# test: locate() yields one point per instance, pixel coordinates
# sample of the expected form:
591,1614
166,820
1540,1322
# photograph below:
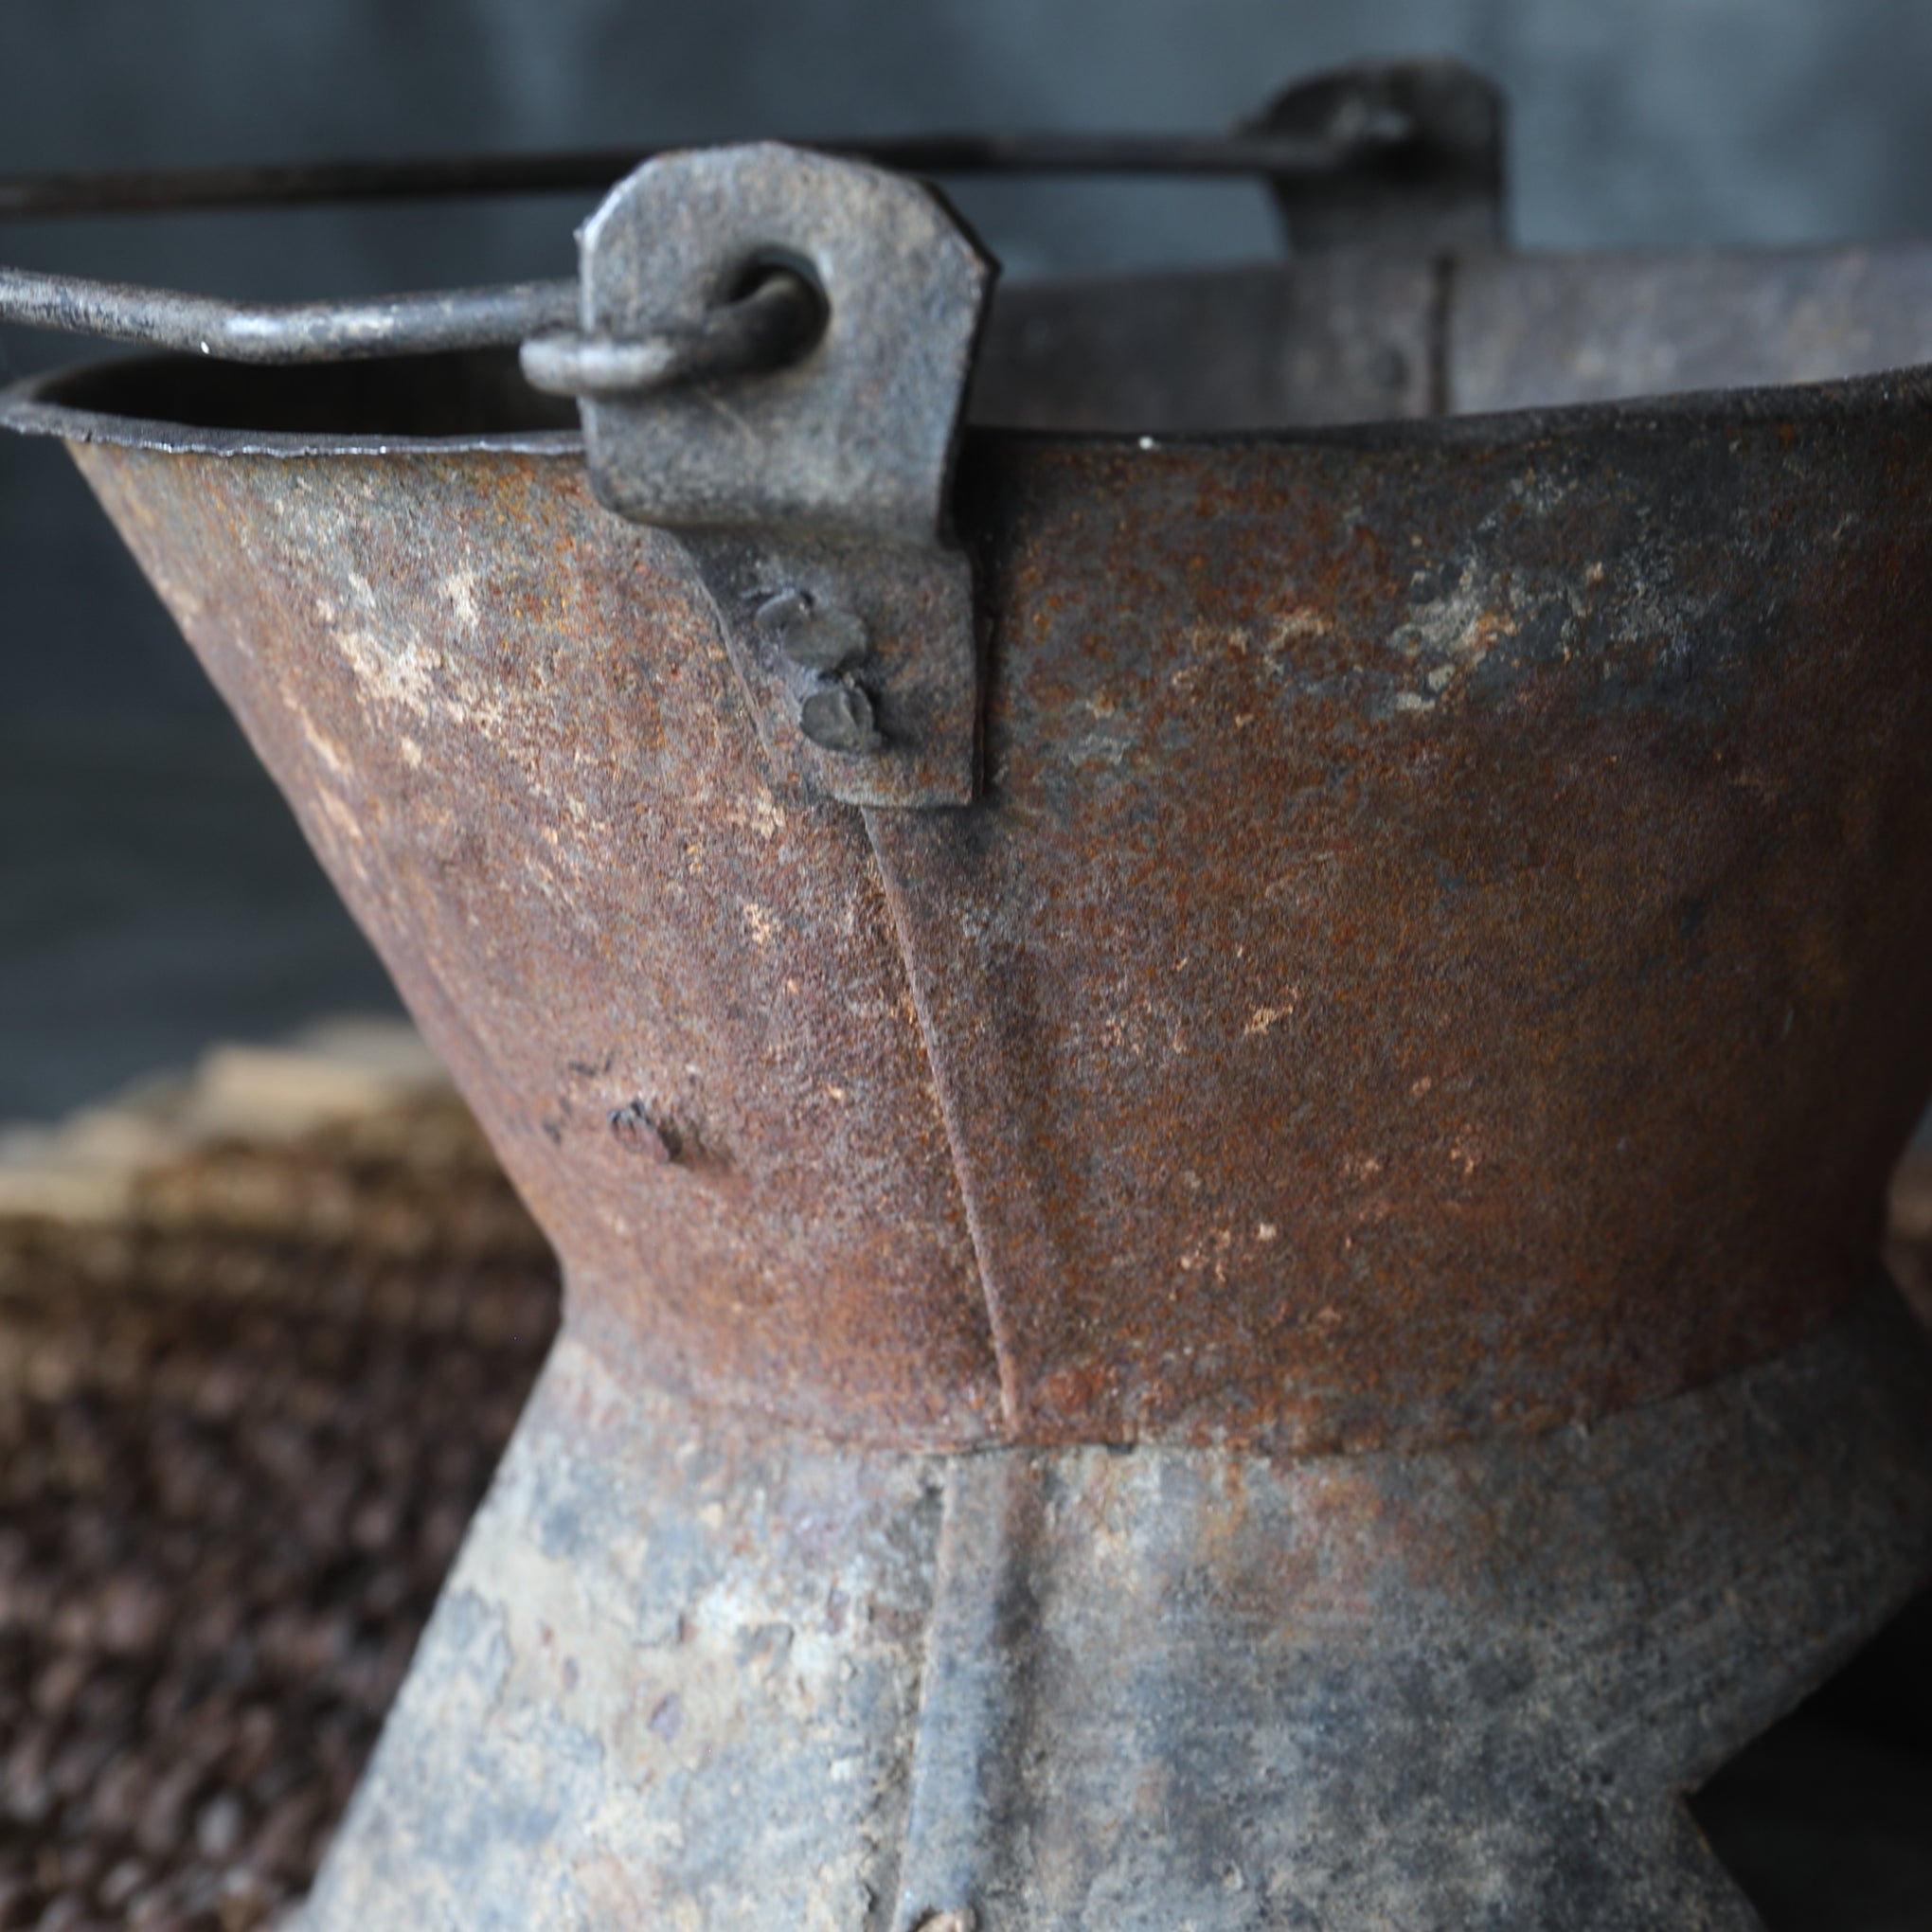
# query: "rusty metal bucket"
1216,1106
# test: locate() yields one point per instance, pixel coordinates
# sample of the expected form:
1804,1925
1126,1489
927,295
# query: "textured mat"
247,1405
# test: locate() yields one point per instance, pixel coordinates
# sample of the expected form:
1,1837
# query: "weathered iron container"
1214,1067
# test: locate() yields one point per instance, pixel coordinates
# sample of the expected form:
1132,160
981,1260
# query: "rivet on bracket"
804,629
811,492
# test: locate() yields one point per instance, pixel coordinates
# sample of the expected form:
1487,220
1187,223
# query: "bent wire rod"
286,331
428,177
770,324
756,332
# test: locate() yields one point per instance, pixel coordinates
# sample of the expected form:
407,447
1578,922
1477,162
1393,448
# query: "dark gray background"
153,892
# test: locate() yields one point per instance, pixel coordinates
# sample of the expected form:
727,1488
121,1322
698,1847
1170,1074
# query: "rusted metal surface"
511,732
1075,1297
1436,891
690,1673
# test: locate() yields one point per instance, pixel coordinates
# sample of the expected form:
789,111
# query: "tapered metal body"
1270,1324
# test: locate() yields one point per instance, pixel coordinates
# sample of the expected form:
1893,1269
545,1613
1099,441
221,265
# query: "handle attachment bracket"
811,491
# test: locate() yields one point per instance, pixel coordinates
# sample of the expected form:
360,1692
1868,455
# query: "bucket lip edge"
30,407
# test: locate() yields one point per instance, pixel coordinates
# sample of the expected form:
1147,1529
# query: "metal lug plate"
813,495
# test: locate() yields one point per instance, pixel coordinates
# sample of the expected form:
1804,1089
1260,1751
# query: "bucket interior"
1343,337
473,393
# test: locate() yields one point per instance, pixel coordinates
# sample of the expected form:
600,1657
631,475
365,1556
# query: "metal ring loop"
773,324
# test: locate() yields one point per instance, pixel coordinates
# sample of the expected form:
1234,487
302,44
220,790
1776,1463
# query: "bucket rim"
35,406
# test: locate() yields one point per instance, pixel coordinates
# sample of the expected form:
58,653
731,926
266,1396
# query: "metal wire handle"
438,177
767,326
770,324
286,331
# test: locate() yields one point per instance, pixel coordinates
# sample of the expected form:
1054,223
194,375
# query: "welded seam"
974,1694
1013,1402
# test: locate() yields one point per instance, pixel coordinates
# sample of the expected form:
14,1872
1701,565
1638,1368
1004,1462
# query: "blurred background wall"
154,893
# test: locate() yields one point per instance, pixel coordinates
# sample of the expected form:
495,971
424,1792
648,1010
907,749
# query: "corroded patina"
1427,958
1264,1322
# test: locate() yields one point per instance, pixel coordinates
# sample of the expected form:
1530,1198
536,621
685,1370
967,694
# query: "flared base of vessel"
691,1672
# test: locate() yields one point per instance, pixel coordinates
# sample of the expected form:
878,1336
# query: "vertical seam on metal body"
1011,1404
974,1693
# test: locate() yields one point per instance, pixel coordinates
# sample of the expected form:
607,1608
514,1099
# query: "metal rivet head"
810,632
838,716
